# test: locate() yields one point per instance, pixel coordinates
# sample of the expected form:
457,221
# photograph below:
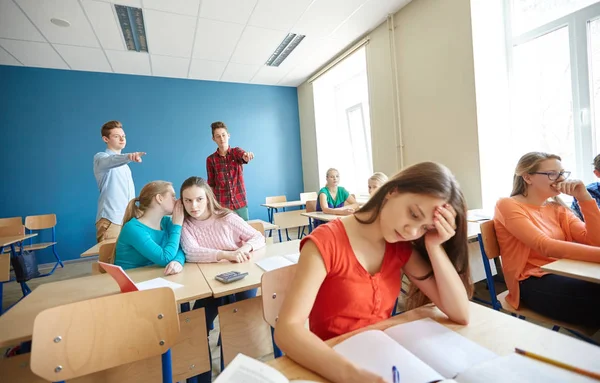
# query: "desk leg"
205,377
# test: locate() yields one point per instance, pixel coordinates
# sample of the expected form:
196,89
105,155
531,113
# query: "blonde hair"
137,206
379,177
211,202
529,164
331,170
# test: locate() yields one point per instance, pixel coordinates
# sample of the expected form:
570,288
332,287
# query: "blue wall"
50,129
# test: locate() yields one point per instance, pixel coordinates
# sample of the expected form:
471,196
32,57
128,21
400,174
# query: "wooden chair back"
274,287
12,221
489,239
11,230
85,337
290,219
107,252
309,196
40,222
279,198
311,206
258,226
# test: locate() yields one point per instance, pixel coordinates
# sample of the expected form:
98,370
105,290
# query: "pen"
395,375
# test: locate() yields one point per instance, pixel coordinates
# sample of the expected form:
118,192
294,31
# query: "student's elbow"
462,315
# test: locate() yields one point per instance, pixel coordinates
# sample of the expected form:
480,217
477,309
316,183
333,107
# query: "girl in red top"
350,270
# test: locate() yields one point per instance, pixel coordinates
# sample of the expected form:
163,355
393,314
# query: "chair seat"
527,313
38,246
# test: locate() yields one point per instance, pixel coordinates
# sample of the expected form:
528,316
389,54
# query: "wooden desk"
266,225
586,271
279,205
252,280
17,324
11,240
319,215
496,331
95,250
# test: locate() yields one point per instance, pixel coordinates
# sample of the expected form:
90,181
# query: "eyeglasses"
553,176
118,136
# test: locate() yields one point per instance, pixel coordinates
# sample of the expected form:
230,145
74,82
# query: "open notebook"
127,285
279,261
424,351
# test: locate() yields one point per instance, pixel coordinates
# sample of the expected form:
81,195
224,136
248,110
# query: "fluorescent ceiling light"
132,26
289,43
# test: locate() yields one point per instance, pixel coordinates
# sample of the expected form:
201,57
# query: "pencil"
558,363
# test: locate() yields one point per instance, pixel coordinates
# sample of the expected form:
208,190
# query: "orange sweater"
531,236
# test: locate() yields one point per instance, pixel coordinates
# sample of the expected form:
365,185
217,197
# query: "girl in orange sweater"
535,228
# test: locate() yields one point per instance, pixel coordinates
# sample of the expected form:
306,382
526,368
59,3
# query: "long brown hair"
436,180
211,202
529,164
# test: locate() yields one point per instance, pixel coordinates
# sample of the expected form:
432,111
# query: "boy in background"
593,188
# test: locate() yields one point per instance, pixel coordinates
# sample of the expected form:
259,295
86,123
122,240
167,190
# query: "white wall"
438,117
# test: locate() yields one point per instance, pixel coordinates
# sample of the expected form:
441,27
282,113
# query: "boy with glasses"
114,179
593,189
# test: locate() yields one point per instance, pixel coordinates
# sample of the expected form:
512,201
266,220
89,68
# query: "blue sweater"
139,245
594,190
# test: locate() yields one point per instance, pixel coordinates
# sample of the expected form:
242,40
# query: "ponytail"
132,211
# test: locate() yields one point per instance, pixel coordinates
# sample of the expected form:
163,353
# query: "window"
341,100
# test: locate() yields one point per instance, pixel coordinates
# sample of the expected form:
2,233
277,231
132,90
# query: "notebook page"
516,368
273,263
248,370
378,353
446,351
156,283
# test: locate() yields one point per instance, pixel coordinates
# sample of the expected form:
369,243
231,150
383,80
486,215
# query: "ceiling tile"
216,40
369,16
34,54
105,25
277,14
206,70
15,25
169,34
41,11
324,16
235,11
257,45
7,59
129,62
183,7
165,66
129,3
269,75
84,58
239,72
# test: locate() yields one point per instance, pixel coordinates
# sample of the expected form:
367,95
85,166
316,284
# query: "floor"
81,268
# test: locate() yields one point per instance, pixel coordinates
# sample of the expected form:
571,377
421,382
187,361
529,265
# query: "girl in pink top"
534,228
212,233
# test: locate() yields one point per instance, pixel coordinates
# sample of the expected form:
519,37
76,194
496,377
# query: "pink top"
201,241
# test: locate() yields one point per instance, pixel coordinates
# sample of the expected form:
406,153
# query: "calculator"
230,276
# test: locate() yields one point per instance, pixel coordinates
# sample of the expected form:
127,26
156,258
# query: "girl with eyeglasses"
534,227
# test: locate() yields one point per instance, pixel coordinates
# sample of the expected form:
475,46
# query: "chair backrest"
279,198
489,240
107,252
11,230
258,226
311,206
12,221
40,222
309,196
290,219
274,287
81,338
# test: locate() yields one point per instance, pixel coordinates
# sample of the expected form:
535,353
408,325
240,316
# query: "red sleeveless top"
350,298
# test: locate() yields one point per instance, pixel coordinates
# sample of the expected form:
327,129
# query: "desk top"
252,280
95,250
266,225
6,241
279,205
319,215
496,331
16,325
586,271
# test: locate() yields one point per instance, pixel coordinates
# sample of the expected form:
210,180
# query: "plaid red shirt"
226,177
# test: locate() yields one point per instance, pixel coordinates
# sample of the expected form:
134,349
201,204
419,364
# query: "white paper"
516,368
446,351
273,263
156,283
292,257
245,369
378,353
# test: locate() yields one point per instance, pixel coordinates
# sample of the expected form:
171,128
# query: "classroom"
310,190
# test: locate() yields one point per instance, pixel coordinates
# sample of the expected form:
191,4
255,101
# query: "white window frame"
584,135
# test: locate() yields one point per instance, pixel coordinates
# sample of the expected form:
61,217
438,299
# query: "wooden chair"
274,287
258,226
309,196
311,207
35,223
290,219
85,337
274,199
490,250
105,254
12,221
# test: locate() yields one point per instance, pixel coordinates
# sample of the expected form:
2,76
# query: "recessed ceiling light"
60,22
